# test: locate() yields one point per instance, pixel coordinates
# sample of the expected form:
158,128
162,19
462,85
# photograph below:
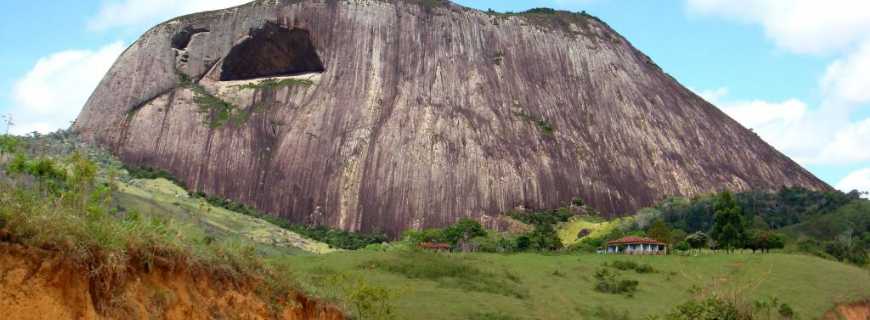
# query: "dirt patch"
37,284
851,311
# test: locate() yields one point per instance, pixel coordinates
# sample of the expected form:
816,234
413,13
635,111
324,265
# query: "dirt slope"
35,284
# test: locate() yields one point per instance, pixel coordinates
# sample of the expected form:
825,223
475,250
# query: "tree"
729,230
465,229
660,231
764,241
697,240
544,238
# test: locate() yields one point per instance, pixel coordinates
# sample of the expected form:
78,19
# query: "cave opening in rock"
182,39
272,51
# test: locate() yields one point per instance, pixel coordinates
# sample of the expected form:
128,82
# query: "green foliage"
544,238
333,237
682,246
498,243
551,217
10,144
363,299
339,238
543,125
764,241
541,11
843,234
660,231
449,271
464,229
607,281
273,84
77,221
138,172
626,265
729,230
698,240
712,308
220,113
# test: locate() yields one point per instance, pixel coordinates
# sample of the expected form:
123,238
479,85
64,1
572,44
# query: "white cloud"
801,26
53,92
848,80
791,126
134,13
858,180
849,145
824,134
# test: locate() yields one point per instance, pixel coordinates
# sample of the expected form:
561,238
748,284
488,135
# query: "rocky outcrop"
387,115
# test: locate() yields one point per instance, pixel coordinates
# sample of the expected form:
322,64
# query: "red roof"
635,240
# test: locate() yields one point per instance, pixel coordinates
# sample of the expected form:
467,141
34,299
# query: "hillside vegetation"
104,227
536,286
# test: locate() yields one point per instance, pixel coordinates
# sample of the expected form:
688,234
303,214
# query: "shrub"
682,246
464,229
625,265
709,309
786,311
10,144
607,281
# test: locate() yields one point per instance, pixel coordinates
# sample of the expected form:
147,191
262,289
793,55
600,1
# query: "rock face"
415,113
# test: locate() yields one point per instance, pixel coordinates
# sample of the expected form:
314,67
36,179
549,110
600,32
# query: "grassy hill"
535,286
163,198
94,213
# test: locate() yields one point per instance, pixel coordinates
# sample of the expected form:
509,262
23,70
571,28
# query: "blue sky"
795,71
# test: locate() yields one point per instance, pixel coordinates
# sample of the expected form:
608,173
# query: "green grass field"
534,286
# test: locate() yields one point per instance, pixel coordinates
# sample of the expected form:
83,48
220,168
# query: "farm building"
636,245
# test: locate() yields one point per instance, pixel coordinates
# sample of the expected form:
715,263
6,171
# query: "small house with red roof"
636,245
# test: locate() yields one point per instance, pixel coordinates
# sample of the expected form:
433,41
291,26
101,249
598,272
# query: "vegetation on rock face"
545,126
273,84
219,112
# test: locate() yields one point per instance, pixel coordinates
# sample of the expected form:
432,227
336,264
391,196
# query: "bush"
625,265
464,229
682,246
608,282
709,309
